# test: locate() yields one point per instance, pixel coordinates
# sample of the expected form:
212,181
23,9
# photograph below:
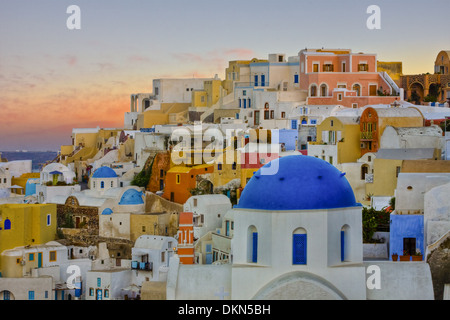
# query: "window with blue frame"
30,295
256,80
296,78
313,121
31,257
99,282
48,219
245,103
240,103
263,80
294,124
299,248
249,102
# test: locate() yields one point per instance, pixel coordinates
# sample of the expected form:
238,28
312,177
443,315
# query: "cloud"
70,60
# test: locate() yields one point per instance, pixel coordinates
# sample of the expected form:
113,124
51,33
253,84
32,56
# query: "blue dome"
104,172
301,183
107,211
131,196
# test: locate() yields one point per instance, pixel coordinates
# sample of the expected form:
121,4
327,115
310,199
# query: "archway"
416,93
6,295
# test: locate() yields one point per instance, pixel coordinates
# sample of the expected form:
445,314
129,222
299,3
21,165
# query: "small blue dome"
131,196
104,172
107,211
301,183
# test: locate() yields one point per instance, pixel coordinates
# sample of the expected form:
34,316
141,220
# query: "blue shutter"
296,78
263,80
245,103
299,249
256,81
342,245
255,247
30,295
294,124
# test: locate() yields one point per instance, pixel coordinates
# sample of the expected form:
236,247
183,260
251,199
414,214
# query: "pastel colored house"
338,76
181,180
26,224
338,140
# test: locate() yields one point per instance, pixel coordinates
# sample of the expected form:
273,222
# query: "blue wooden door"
255,247
294,124
299,249
39,259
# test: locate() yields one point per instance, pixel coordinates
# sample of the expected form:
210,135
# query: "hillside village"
294,177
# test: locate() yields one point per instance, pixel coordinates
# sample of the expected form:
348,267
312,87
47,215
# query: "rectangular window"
283,115
363,67
255,247
219,166
296,78
294,124
328,68
31,257
178,179
30,295
106,293
263,80
46,294
52,255
397,171
91,292
256,80
99,282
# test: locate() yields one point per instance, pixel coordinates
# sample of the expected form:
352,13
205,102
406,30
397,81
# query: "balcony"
368,135
137,265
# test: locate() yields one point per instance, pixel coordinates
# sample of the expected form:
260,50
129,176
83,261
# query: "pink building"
344,78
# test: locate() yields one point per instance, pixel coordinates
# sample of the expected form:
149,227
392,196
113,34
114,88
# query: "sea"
38,158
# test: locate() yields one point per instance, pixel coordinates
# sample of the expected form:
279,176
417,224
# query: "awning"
55,172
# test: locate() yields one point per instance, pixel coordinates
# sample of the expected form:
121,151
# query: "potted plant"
417,256
394,256
405,256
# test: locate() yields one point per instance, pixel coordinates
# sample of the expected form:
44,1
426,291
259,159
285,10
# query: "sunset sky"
53,79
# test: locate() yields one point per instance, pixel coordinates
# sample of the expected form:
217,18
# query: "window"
283,115
93,184
315,67
46,294
296,78
263,80
249,102
313,121
252,244
178,179
91,292
345,244
49,218
323,90
363,67
328,68
409,246
357,88
99,282
219,166
244,92
31,257
163,257
102,184
256,80
233,166
340,97
106,293
240,103
294,124
52,256
330,159
112,184
143,228
30,295
272,114
299,246
7,224
313,91
397,171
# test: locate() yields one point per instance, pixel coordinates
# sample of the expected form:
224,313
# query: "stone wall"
439,261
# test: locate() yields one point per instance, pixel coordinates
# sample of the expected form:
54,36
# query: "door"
99,294
409,246
161,184
372,90
299,249
39,259
77,222
256,118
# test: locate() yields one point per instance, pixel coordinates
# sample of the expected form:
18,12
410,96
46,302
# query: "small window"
112,184
31,257
178,179
296,78
143,228
340,97
102,184
283,115
52,256
106,293
91,292
99,282
30,295
219,166
49,218
195,202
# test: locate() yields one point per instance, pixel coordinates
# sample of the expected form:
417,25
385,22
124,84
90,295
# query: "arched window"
323,90
299,246
252,244
345,244
7,224
356,87
313,91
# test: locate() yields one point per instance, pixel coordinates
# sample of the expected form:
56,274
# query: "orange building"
345,78
181,180
374,120
186,238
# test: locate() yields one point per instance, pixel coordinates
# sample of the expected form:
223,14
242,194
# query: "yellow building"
162,224
337,140
238,70
22,181
26,224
